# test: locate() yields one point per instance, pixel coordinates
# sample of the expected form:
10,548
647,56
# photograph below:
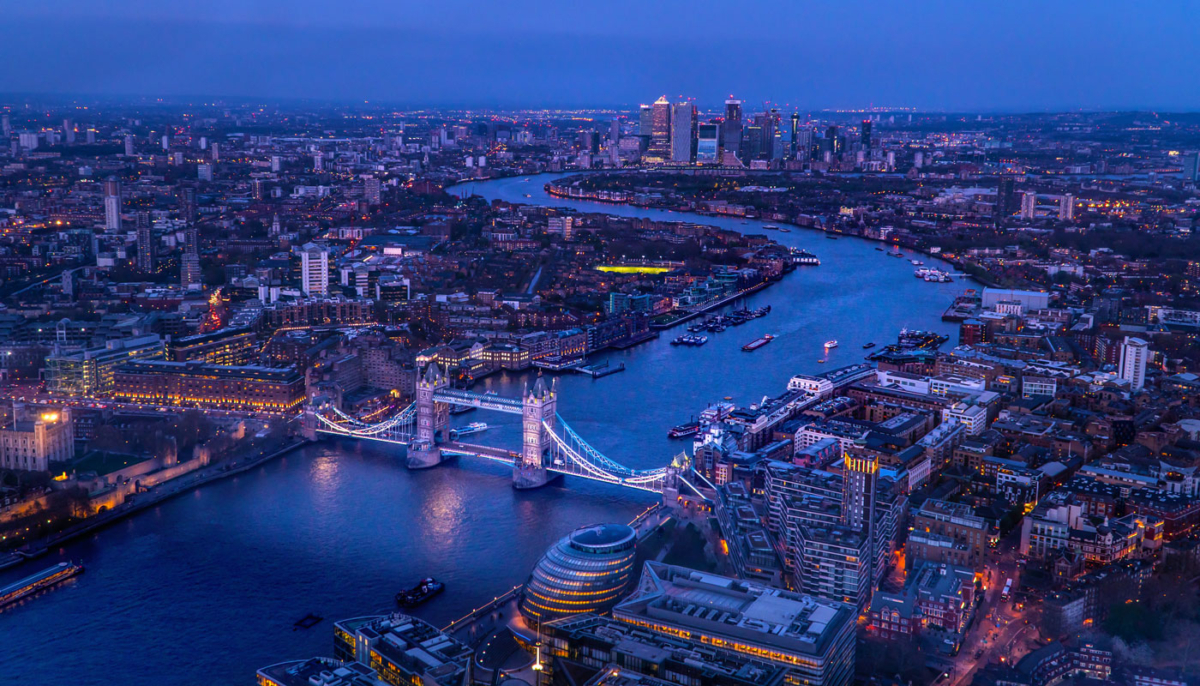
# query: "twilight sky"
810,54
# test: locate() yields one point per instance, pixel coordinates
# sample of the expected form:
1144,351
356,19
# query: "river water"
204,589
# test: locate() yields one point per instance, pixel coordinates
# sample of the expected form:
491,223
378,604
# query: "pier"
600,370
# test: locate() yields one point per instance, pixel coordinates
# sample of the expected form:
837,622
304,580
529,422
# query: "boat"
758,343
896,254
879,248
684,430
308,621
867,346
770,227
46,578
909,339
784,229
472,428
461,409
527,195
804,257
821,361
423,591
917,263
831,237
831,344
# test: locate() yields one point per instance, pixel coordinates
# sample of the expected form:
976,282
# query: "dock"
601,369
559,364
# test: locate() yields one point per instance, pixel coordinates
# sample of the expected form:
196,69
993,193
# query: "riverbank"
627,198
144,501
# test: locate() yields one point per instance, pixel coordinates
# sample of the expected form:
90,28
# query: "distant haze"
806,54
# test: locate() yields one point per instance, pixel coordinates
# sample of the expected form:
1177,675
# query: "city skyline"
534,54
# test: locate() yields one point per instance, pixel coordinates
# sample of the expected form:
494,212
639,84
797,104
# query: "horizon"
1022,57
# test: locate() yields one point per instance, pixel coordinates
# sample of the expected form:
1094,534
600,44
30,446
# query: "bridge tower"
540,406
432,418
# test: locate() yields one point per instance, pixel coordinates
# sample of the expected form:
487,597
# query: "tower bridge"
549,446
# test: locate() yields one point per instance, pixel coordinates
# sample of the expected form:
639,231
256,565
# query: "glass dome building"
589,570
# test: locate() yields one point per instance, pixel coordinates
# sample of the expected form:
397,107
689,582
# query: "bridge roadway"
501,455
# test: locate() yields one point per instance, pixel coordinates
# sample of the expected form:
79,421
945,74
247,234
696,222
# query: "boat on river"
423,591
46,578
757,343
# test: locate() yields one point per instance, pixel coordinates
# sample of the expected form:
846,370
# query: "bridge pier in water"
433,418
539,409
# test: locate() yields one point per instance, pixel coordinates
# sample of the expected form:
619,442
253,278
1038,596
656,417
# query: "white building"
1133,362
314,270
973,417
1066,207
562,225
112,205
1028,205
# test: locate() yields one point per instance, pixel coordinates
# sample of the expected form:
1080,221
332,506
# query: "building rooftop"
722,605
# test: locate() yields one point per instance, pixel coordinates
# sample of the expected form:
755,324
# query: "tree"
1134,622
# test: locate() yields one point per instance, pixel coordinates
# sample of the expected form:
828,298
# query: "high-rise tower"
112,204
660,131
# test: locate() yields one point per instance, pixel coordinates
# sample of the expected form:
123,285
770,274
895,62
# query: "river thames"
205,588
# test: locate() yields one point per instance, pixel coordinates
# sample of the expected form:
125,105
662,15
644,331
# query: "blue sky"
964,55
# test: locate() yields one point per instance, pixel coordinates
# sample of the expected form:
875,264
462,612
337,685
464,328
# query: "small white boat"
472,428
831,344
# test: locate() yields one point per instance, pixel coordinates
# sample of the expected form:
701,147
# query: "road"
998,631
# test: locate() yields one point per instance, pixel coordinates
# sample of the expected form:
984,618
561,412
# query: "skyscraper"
6,125
1134,352
1191,167
129,150
795,134
187,204
189,271
1005,198
858,490
191,241
1066,207
731,134
371,190
683,131
145,244
1028,205
314,270
708,147
866,134
69,131
214,153
112,204
204,172
833,140
645,121
660,131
